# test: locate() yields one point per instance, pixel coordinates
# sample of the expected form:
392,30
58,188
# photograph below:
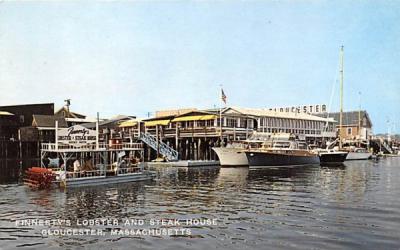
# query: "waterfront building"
310,128
357,125
309,109
12,119
16,116
194,132
71,117
111,129
43,128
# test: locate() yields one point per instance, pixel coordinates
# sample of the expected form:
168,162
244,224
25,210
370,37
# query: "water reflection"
11,170
353,205
233,176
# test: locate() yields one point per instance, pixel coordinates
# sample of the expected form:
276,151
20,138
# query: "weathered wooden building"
16,116
356,125
12,119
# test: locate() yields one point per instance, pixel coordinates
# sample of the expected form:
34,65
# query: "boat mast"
341,98
359,118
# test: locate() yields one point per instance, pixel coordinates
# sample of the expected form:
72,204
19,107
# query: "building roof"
350,118
28,105
174,112
6,113
109,123
69,114
48,121
270,113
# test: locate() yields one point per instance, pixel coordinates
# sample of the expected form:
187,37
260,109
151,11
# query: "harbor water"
352,206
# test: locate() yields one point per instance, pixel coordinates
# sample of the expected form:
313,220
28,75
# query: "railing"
102,146
387,147
98,173
129,170
170,153
83,174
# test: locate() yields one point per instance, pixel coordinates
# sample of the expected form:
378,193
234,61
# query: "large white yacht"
234,153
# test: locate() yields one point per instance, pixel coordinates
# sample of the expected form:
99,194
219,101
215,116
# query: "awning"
129,123
194,118
156,122
5,113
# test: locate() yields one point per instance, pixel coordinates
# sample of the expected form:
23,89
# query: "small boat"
282,153
358,154
332,156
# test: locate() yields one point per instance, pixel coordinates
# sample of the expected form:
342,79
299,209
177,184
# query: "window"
243,123
201,123
210,123
232,123
349,130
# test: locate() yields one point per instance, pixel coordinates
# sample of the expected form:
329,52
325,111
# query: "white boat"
234,154
231,156
358,154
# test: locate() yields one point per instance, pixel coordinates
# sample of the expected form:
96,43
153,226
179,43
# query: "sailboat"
334,155
353,153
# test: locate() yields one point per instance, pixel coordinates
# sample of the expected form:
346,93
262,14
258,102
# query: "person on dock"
61,164
87,165
77,164
46,162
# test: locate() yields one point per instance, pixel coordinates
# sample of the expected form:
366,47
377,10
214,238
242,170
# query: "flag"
223,96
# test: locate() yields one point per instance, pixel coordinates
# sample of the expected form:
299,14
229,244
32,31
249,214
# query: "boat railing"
68,175
83,174
124,145
129,170
102,146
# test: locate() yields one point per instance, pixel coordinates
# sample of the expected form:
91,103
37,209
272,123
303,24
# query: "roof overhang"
6,113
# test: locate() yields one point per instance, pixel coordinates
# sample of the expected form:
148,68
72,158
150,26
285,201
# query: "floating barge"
105,163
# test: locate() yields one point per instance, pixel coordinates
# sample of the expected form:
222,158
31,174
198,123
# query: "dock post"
97,132
187,149
158,143
19,144
199,151
56,133
176,138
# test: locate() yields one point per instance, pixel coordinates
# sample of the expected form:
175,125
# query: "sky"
136,57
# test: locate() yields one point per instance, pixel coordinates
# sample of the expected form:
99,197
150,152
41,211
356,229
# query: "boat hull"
358,156
278,159
332,157
231,156
103,180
